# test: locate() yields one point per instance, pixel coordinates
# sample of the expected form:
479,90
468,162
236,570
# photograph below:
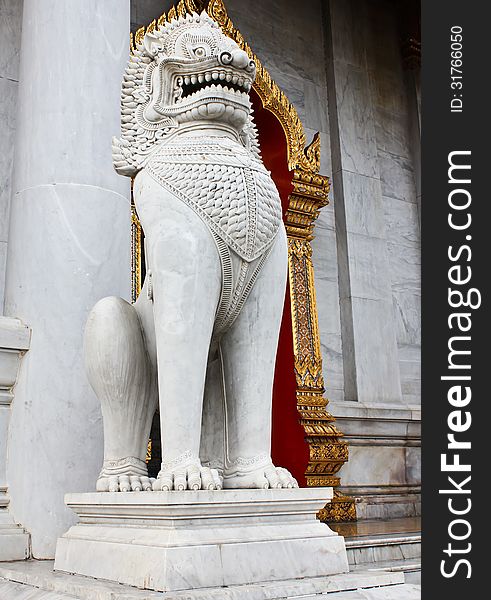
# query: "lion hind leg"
121,374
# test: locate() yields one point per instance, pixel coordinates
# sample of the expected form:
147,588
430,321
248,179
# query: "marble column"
10,30
370,355
69,245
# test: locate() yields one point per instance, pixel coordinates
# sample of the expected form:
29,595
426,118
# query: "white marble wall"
398,175
379,256
10,31
69,245
371,372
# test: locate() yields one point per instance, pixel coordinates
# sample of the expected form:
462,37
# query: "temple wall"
10,29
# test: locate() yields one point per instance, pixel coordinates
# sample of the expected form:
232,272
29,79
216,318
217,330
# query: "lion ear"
151,43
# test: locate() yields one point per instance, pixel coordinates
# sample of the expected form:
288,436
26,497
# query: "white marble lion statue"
201,340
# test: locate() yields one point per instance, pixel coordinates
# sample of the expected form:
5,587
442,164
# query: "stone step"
374,542
380,549
411,568
36,580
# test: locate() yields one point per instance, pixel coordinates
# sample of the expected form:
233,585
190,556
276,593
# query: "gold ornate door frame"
328,451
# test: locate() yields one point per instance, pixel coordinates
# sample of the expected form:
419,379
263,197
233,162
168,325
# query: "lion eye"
200,52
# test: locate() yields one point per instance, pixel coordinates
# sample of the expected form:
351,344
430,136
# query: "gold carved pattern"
328,451
136,257
148,456
340,509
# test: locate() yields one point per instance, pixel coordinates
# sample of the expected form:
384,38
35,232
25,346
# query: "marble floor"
36,580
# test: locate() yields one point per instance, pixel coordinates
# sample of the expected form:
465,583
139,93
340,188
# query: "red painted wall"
289,448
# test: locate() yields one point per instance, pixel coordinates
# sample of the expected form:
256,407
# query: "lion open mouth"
225,81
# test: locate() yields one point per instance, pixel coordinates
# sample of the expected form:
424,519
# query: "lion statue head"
184,74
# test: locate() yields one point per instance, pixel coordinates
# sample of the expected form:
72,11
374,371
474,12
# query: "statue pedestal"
169,541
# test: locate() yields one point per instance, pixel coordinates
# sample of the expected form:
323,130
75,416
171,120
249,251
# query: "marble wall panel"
388,91
10,26
3,263
10,31
369,344
361,201
403,232
383,465
349,31
368,263
357,142
398,174
8,101
397,177
378,381
402,224
407,306
315,106
392,133
405,267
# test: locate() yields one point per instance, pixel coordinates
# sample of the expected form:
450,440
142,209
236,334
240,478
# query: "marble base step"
14,541
382,542
386,506
172,541
14,544
410,567
36,580
383,548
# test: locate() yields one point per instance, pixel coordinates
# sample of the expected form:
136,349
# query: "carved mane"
142,83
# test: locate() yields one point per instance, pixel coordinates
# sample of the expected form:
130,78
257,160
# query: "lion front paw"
124,483
192,477
258,473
